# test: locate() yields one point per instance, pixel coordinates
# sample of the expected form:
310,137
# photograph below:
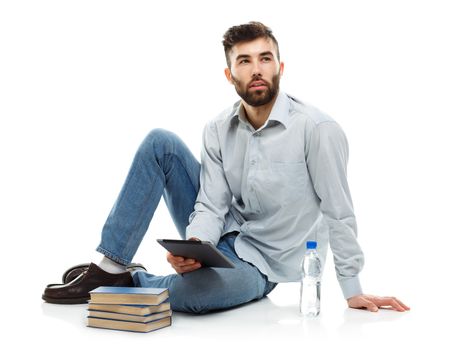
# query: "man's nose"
256,69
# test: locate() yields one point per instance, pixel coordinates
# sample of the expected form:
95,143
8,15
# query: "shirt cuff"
202,232
200,236
350,287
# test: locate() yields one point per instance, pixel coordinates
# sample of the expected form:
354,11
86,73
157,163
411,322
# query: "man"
273,176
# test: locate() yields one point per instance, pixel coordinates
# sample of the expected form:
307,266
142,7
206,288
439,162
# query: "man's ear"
228,74
281,68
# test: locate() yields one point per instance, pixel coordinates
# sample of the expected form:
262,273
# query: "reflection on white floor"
268,323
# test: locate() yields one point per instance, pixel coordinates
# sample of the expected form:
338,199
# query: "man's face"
255,71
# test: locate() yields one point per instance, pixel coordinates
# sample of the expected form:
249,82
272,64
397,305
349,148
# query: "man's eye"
244,61
266,59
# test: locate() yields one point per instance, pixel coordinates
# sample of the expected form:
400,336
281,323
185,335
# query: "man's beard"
259,97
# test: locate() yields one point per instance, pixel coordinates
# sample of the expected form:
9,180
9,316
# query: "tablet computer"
204,252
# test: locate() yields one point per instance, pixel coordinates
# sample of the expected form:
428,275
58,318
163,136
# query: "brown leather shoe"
77,291
73,272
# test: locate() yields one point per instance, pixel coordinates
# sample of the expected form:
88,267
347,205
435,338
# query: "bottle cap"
311,244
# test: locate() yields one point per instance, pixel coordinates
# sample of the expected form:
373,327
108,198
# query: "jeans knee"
157,142
185,298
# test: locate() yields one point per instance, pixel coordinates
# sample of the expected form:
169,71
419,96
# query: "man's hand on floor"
373,303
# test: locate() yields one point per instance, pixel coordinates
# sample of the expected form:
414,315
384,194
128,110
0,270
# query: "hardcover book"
127,317
129,326
138,310
129,295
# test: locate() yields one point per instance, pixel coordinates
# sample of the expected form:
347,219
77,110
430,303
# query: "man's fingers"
373,303
397,305
392,302
362,302
179,260
173,259
371,306
402,304
188,268
181,264
187,262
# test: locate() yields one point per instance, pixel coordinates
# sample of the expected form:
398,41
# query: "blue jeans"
164,166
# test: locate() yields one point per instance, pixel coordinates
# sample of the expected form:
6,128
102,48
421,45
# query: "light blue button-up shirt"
279,186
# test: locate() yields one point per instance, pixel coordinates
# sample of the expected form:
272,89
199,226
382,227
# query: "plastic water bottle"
310,281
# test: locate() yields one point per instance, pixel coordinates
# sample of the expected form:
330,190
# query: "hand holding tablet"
204,252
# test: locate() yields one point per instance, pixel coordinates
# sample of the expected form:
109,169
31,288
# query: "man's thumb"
372,307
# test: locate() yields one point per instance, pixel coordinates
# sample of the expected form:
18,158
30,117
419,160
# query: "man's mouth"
257,85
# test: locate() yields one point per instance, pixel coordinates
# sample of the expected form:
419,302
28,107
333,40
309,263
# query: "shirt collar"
280,111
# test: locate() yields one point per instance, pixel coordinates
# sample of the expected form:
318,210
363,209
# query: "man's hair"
247,32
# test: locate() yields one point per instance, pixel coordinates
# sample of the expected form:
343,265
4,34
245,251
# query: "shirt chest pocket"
284,182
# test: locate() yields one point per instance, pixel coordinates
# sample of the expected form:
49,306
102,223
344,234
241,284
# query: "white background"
82,83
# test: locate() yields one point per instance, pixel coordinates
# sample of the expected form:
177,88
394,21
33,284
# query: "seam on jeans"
145,205
129,176
184,165
194,186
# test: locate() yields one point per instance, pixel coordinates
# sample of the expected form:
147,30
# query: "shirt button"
253,162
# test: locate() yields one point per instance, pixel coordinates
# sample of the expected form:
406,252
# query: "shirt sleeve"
213,202
327,157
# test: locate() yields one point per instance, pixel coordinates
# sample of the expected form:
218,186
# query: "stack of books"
132,309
